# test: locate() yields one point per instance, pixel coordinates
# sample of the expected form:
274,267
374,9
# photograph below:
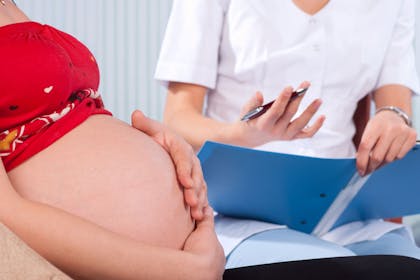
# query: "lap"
281,245
392,243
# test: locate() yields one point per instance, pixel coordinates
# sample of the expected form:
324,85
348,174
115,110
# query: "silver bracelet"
398,111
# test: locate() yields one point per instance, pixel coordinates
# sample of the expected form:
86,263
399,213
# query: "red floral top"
48,86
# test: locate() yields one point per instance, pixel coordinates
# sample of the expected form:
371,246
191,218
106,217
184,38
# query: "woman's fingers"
277,110
203,244
385,139
255,101
197,211
141,122
191,178
187,165
292,106
298,127
198,194
363,153
309,131
409,144
285,108
275,123
395,148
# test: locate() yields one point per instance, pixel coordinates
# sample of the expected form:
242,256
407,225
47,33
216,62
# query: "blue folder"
299,191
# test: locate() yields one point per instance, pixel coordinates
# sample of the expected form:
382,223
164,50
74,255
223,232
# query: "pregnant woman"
93,195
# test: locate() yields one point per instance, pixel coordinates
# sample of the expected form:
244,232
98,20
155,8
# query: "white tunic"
238,47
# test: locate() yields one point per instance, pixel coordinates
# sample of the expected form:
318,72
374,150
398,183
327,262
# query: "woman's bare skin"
113,175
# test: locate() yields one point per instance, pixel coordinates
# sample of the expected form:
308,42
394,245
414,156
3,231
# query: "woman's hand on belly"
113,175
205,246
187,165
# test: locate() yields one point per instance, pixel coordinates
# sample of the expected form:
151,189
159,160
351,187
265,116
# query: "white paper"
231,232
362,231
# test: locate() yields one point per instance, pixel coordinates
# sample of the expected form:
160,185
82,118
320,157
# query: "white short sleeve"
190,47
399,63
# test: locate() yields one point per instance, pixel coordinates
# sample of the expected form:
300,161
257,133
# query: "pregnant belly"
113,175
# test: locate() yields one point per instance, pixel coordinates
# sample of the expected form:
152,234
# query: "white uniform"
346,50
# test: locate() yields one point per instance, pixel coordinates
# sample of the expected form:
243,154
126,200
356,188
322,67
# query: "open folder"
309,194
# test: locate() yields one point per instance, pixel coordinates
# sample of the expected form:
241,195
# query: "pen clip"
253,113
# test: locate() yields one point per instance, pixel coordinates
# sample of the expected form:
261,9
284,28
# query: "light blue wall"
416,101
125,37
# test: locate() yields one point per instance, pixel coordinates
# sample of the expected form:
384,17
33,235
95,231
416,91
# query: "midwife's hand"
276,123
205,248
187,165
386,138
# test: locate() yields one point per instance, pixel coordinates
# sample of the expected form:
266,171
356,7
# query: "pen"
263,108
